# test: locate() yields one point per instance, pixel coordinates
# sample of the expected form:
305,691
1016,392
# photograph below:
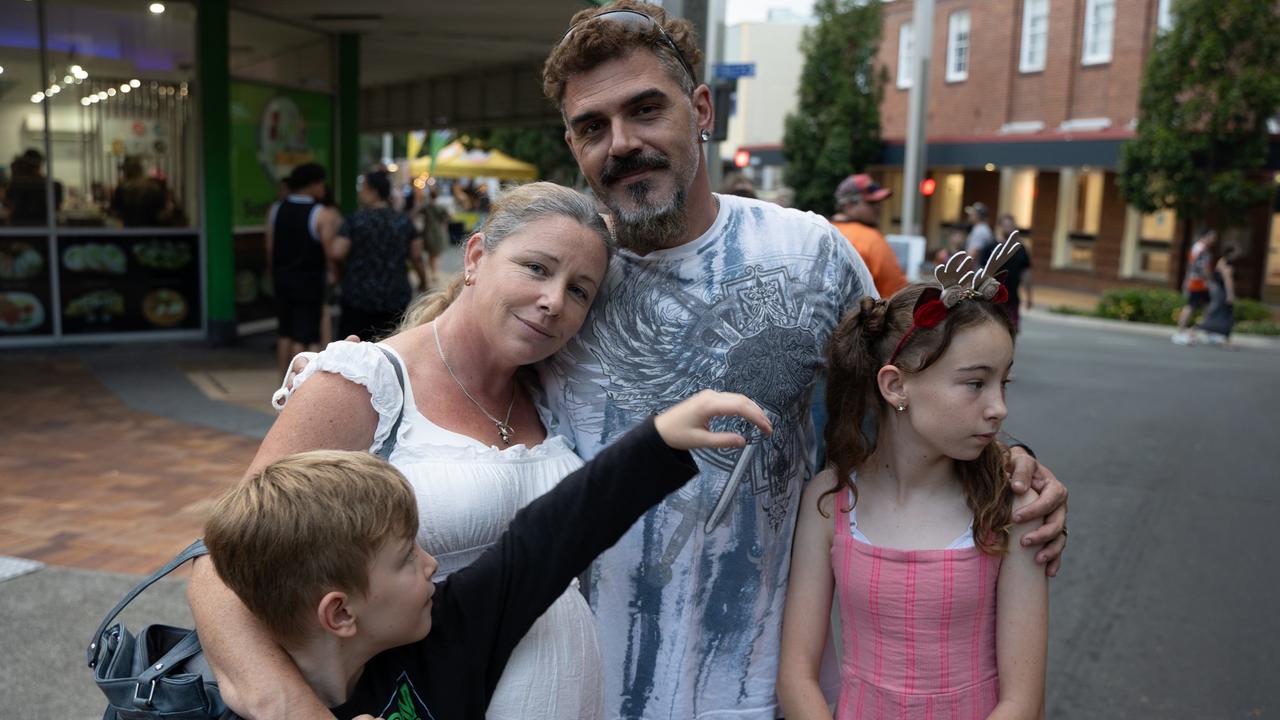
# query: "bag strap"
195,549
389,444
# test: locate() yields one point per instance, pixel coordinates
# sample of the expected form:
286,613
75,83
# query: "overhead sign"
733,71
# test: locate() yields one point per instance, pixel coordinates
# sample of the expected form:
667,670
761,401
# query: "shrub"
1147,305
1247,310
1257,327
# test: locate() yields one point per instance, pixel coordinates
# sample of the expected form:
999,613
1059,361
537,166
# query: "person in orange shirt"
858,218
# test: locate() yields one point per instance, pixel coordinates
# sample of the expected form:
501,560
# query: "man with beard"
706,291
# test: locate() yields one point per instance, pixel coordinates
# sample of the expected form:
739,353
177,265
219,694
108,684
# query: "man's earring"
705,135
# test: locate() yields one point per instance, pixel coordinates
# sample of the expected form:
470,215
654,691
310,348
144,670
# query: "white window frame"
1164,16
954,48
1034,10
906,55
1094,28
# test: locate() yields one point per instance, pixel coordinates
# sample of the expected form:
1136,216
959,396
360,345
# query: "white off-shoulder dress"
468,493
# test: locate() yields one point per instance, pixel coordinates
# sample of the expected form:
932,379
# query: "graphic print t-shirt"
690,616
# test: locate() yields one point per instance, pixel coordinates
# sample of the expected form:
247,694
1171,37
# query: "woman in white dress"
473,438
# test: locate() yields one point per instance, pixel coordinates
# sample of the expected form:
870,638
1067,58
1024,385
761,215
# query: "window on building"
1035,35
1022,196
958,46
1099,29
906,55
1085,220
1155,244
1164,16
123,142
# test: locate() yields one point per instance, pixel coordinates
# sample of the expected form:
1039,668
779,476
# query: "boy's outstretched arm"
488,606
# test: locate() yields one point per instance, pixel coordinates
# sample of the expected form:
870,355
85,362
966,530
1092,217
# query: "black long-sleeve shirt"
482,611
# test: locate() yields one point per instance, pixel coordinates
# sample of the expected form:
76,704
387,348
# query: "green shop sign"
273,130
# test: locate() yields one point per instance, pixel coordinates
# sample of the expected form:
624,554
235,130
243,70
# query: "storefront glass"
98,233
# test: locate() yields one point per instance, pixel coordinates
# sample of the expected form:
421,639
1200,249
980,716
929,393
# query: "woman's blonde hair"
517,208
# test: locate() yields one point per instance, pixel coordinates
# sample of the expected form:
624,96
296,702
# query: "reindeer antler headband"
959,281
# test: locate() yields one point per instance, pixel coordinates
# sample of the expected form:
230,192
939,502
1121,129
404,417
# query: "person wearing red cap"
858,218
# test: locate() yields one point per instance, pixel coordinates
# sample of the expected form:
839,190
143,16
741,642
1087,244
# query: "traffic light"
927,186
742,158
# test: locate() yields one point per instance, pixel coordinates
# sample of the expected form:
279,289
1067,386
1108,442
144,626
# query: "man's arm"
1025,472
415,260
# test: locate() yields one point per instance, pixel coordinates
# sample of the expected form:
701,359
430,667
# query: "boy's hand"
1052,506
684,425
301,360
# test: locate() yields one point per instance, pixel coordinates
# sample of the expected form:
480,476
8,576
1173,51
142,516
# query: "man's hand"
684,425
1051,505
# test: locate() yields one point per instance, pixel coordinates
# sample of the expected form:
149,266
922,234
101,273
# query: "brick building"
1029,102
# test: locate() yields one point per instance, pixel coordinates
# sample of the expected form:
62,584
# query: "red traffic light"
741,159
927,186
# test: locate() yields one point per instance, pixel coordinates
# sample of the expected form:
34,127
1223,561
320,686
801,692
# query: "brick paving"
91,484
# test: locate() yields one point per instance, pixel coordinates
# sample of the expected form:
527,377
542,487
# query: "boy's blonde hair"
304,526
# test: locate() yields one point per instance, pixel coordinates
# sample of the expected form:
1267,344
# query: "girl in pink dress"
943,612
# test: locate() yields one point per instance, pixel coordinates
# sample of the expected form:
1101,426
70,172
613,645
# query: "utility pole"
917,109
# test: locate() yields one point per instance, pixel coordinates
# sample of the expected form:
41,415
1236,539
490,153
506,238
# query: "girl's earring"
902,406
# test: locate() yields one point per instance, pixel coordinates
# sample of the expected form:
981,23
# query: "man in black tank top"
299,232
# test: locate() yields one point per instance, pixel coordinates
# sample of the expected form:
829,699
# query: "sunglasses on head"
636,19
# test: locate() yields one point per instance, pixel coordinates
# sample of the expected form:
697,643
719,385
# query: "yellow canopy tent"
453,161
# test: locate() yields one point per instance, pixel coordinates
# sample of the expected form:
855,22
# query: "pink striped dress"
919,630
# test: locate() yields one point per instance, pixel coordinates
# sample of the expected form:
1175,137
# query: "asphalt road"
1167,605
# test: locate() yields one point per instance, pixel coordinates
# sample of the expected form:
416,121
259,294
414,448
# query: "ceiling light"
156,8
124,87
76,69
54,89
68,79
86,102
37,97
1,69
101,96
94,99
134,83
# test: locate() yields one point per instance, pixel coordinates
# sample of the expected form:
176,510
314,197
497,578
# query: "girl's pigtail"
853,361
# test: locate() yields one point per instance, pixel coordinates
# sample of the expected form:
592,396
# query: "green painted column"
348,139
215,123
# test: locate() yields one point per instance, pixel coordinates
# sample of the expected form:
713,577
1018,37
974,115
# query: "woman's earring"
466,279
902,406
705,135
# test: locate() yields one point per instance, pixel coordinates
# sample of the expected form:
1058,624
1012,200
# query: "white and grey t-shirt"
690,617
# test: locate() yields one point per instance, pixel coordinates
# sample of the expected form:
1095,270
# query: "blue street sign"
731,71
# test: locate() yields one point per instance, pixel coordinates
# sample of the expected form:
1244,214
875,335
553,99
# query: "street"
1164,609
1166,604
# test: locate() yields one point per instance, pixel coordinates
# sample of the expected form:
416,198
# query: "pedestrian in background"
300,230
371,249
858,219
980,240
1196,285
1019,272
435,233
1219,319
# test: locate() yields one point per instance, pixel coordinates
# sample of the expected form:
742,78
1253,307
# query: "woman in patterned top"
372,247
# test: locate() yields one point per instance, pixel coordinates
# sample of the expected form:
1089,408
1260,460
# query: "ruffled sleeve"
363,364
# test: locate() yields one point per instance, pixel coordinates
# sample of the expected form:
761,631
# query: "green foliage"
835,130
1251,310
1147,305
1210,85
543,145
1257,327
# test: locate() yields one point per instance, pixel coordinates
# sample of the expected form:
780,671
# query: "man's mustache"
616,168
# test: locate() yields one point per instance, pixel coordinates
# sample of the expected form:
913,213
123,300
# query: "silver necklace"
504,426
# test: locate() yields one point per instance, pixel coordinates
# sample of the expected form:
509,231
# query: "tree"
1209,89
543,146
835,130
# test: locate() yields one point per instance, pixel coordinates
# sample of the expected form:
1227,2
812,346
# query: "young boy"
321,548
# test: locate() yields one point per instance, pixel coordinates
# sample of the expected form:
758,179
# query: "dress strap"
843,502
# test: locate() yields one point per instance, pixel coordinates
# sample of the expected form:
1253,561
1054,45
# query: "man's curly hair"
590,44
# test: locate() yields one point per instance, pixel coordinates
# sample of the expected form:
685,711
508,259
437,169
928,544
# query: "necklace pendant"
506,431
